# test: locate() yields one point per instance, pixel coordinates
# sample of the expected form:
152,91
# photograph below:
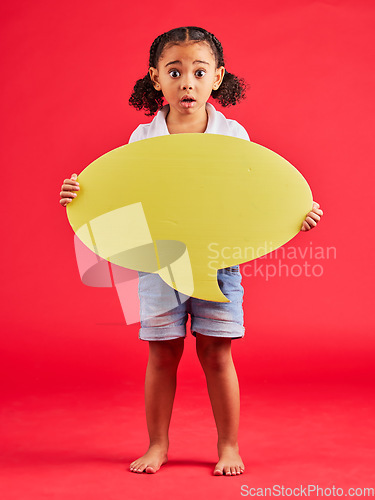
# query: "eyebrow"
179,62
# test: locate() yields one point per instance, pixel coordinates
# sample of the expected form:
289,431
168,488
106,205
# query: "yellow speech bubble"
185,205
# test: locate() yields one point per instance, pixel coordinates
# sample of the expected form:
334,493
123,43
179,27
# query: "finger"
317,211
314,216
70,188
71,182
315,204
67,194
74,176
64,201
311,222
305,226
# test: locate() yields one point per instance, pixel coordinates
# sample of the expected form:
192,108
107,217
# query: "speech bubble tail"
206,286
192,279
208,289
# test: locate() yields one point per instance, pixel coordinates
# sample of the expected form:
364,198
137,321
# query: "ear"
154,75
219,75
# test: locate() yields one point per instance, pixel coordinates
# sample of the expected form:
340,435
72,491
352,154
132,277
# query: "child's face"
187,69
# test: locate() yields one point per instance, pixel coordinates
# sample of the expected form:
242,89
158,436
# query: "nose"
186,84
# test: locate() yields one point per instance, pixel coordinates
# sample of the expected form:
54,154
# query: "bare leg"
215,356
160,389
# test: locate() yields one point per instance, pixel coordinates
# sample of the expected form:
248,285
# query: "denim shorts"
164,311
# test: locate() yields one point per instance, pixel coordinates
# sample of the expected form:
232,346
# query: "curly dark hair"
145,96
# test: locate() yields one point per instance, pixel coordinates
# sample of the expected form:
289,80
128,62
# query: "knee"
215,356
165,354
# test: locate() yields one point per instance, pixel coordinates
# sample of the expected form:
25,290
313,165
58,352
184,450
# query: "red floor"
77,445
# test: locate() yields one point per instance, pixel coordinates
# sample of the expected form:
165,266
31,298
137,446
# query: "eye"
174,73
200,73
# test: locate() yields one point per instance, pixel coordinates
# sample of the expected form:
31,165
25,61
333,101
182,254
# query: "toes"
137,467
150,469
229,470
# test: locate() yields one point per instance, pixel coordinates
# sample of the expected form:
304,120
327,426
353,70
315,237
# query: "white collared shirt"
217,124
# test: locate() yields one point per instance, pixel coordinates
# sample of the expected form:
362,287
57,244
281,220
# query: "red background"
68,70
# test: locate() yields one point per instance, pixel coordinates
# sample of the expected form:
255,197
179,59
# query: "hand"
312,218
67,193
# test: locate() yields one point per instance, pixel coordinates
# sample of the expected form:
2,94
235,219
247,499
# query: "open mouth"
187,101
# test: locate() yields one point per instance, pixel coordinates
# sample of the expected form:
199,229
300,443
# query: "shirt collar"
216,121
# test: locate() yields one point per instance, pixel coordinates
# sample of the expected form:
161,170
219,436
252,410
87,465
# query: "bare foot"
151,461
230,462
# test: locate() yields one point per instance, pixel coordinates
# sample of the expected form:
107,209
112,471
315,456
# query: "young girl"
186,67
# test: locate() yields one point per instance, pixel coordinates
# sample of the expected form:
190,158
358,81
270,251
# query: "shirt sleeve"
137,135
239,131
